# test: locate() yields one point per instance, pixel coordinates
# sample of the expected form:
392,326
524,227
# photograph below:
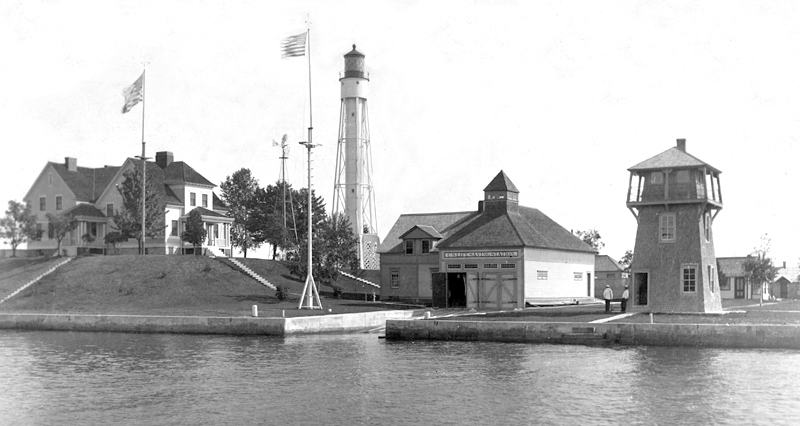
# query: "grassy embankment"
159,285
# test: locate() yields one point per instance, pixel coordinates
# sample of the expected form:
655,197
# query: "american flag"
133,94
294,46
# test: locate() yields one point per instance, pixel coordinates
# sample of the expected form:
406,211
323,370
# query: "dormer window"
409,246
426,246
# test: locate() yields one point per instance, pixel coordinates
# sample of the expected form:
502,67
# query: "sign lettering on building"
465,254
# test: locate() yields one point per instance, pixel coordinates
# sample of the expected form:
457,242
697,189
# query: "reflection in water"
103,378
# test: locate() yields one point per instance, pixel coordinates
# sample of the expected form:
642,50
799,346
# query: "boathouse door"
439,289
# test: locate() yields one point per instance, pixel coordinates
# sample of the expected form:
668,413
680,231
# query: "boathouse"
502,256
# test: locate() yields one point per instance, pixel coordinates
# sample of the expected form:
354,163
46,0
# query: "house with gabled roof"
608,272
502,256
90,196
787,282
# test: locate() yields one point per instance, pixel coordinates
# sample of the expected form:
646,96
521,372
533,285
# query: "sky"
562,96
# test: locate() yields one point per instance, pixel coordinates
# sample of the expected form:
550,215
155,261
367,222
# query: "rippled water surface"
103,378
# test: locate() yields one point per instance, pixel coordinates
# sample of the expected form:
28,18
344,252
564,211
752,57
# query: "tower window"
667,227
409,246
689,279
711,278
656,178
707,226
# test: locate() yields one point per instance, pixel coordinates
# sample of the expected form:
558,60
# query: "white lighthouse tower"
353,194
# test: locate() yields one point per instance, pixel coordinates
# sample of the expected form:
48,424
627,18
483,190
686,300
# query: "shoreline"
763,336
265,326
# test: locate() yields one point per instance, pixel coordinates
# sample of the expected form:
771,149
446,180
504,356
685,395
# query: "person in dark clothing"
624,302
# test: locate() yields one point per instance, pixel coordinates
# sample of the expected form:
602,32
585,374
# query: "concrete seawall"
701,335
341,323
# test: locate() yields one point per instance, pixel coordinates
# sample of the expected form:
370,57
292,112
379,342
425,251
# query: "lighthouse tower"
353,193
675,198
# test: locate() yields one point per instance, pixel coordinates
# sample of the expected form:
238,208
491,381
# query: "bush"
337,292
282,293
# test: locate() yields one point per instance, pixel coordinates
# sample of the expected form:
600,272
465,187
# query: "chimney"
480,206
682,144
164,159
784,264
71,163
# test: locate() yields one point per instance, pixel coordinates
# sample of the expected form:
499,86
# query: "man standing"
608,294
624,301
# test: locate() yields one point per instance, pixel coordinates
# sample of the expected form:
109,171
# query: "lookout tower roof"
675,157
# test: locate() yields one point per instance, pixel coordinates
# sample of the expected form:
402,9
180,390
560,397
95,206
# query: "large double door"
492,290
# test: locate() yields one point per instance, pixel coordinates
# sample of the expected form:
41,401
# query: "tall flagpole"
310,297
144,166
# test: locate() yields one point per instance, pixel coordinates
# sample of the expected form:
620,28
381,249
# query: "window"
541,275
92,228
756,289
409,246
689,279
192,199
174,230
683,176
577,276
656,178
489,266
711,278
508,266
109,209
42,204
453,266
394,278
205,200
724,284
426,246
707,226
471,266
58,202
667,227
50,230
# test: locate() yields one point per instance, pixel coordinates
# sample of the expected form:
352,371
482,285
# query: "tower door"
640,282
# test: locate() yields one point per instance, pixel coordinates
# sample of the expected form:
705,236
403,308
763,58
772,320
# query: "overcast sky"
562,96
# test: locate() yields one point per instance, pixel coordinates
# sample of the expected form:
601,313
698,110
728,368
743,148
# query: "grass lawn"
166,285
18,271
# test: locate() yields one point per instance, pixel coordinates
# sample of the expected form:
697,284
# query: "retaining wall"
702,335
340,323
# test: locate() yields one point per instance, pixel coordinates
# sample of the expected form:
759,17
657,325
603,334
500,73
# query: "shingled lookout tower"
675,198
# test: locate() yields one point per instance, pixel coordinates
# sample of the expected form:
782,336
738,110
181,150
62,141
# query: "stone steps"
252,274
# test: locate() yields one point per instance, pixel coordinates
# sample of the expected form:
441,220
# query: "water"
103,378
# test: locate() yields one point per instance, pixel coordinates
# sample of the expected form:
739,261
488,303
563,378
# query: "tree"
239,193
195,230
113,238
759,269
267,224
128,219
592,238
626,259
335,248
61,225
19,225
